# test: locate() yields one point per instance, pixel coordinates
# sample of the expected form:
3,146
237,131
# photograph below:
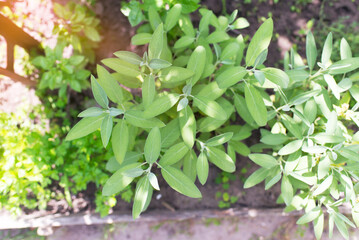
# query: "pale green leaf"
221,159
120,140
187,123
174,154
136,118
263,160
210,107
84,127
180,182
153,145
98,93
161,105
255,105
202,168
231,76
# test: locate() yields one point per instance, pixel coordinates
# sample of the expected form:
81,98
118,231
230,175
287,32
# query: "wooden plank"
15,35
17,78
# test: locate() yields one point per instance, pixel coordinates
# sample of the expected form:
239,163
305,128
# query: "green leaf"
183,42
260,41
221,159
136,118
120,140
170,133
182,104
141,194
292,126
172,17
287,190
311,50
259,75
196,63
310,216
148,90
263,160
291,147
341,226
99,93
327,49
273,181
117,182
84,127
91,112
174,154
329,79
154,17
109,85
276,76
180,182
318,225
323,186
274,139
122,67
161,105
175,75
256,177
159,64
134,172
242,110
261,58
153,145
255,105
211,91
210,108
130,57
202,168
345,51
155,46
219,139
106,129
141,38
187,123
344,66
323,138
349,154
153,180
189,165
303,97
217,36
240,23
231,76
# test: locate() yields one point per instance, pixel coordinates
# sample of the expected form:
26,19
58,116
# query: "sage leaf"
255,105
170,133
153,145
155,46
109,85
148,90
219,139
327,49
153,180
130,57
256,177
141,194
180,182
120,140
291,147
263,160
202,168
260,41
161,105
174,154
117,182
91,112
172,17
84,127
183,42
345,51
210,108
276,76
187,123
98,93
230,76
159,64
137,119
196,63
106,129
311,50
324,185
221,159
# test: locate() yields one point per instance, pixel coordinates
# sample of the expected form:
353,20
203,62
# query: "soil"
117,32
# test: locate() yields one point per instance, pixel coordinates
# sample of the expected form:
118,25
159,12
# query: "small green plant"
225,200
60,72
78,26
